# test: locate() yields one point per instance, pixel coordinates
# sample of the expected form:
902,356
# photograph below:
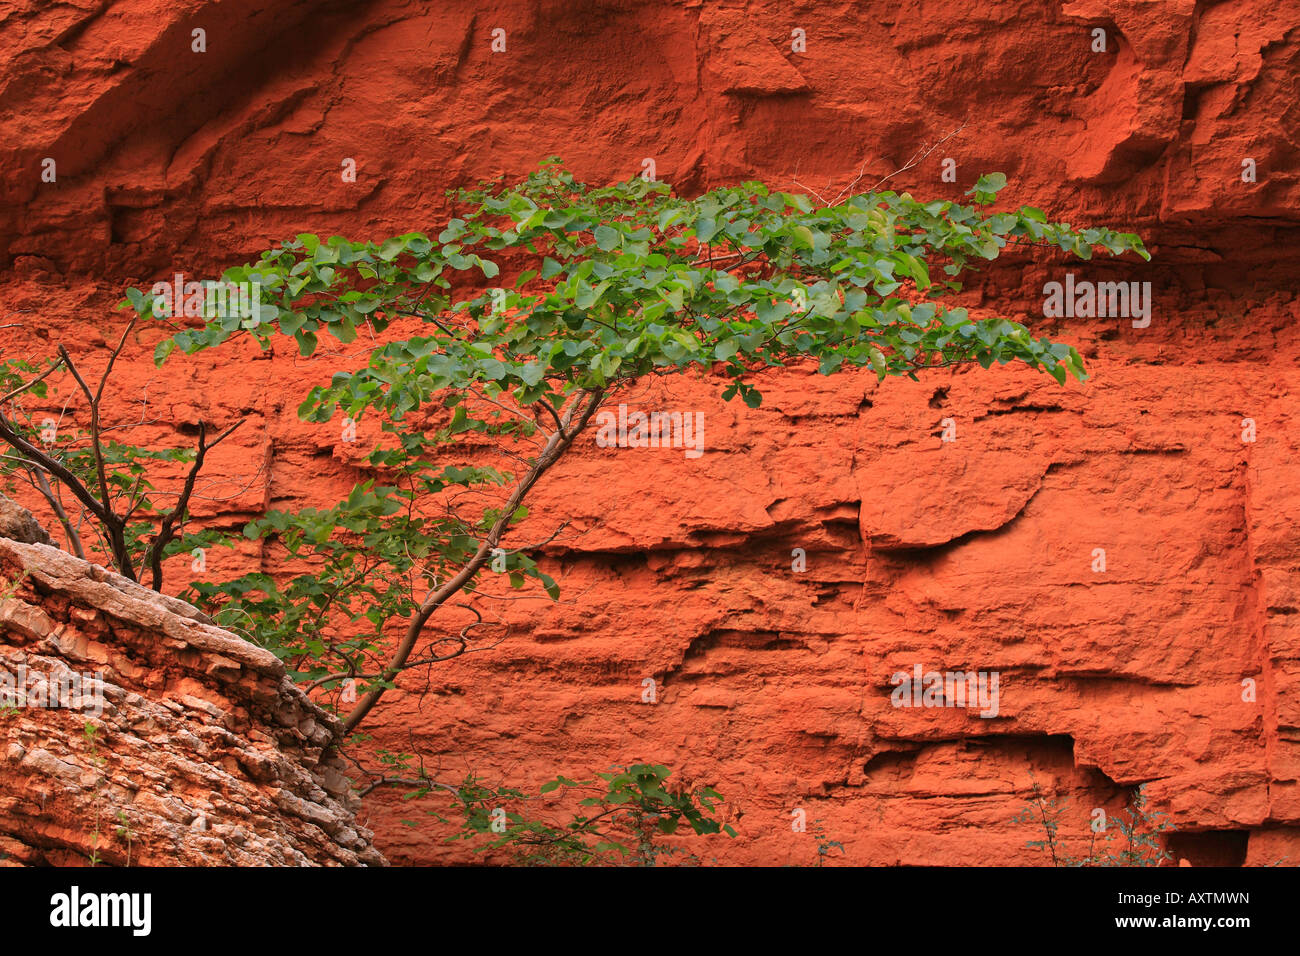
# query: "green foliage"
595,288
9,587
363,562
90,734
824,843
621,821
125,832
1130,838
628,280
14,373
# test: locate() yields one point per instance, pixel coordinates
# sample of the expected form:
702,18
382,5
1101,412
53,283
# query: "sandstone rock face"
176,743
1178,666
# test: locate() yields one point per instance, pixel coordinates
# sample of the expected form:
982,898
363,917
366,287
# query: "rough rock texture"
17,524
774,686
199,752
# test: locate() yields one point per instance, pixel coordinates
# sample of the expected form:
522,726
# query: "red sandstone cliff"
973,553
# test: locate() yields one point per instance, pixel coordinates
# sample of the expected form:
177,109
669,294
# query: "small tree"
605,286
96,486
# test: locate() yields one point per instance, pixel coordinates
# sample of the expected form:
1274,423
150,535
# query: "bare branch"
918,156
74,539
9,433
166,528
95,444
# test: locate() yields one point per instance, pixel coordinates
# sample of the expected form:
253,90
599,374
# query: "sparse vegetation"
1128,838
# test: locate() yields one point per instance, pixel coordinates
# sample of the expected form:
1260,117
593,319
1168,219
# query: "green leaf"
607,239
532,373
989,184
673,297
162,350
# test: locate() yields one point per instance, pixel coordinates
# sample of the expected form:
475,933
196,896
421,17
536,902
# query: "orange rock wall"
975,553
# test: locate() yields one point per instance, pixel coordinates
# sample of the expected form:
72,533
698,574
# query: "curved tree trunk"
572,422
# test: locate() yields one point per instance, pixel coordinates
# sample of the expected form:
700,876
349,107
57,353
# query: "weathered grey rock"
18,524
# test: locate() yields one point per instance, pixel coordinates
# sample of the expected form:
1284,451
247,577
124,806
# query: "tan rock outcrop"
136,733
16,522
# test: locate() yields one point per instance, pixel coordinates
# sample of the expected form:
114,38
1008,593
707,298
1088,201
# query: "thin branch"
9,433
22,388
74,539
103,380
153,557
918,156
551,411
95,444
574,419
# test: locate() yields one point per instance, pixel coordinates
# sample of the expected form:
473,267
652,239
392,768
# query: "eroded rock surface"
18,524
199,752
774,685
